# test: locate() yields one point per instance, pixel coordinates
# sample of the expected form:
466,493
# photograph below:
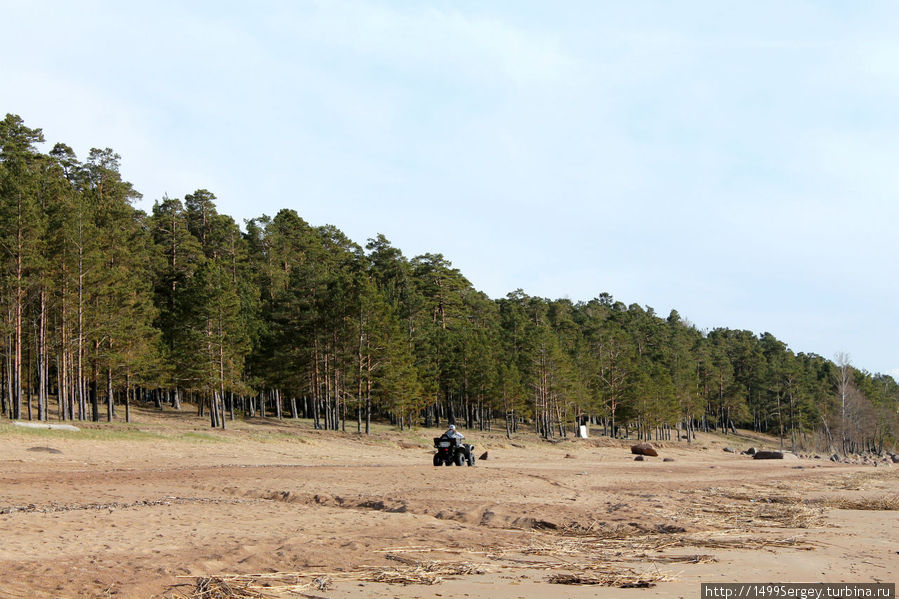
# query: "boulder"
895,458
644,449
483,456
789,455
730,450
768,455
667,459
639,458
835,457
750,451
568,456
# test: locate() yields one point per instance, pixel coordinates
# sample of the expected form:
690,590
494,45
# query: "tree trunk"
110,411
29,378
79,371
95,400
780,422
9,395
17,323
368,406
213,407
42,399
62,363
128,397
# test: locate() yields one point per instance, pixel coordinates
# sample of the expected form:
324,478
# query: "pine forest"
105,306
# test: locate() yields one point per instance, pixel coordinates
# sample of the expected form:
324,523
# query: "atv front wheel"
471,460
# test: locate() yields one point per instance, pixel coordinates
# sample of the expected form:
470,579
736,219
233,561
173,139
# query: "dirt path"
123,517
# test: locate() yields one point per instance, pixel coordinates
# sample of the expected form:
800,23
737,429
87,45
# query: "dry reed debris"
754,509
623,579
752,543
427,573
883,503
679,559
213,587
257,586
418,572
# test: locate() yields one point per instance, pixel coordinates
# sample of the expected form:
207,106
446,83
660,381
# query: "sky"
736,161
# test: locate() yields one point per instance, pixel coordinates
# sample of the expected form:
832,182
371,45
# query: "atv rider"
452,433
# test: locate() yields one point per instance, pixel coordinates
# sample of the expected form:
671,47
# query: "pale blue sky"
736,161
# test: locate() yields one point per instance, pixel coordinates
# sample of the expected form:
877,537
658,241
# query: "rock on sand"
768,455
644,449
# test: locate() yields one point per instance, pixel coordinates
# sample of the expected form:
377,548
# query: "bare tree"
844,380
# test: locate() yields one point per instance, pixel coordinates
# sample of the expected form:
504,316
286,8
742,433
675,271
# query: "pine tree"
21,225
122,310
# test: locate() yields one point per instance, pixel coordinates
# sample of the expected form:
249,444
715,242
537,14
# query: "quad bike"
453,451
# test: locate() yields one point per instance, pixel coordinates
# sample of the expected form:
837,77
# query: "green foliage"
106,297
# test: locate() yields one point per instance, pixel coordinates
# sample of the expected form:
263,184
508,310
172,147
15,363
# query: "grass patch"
114,435
85,434
201,437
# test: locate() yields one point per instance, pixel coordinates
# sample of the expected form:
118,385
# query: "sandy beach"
156,508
